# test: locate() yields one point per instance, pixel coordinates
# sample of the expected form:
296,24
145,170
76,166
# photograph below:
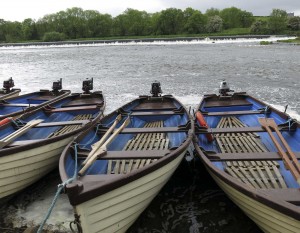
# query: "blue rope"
60,187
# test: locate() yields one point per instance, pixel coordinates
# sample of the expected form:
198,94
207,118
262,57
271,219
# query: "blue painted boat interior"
29,99
100,166
251,120
44,132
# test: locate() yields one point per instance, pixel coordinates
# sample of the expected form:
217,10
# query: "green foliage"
278,21
76,23
266,42
212,12
236,18
294,23
170,21
259,27
53,36
214,24
195,21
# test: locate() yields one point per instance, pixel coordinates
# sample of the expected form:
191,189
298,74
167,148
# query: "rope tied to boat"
60,187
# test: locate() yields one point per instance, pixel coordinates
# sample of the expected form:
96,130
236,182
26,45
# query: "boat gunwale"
63,94
277,204
12,150
76,191
10,94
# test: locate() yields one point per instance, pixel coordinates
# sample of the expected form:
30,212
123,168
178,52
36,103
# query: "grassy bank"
294,41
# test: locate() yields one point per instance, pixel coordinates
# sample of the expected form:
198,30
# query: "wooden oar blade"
270,122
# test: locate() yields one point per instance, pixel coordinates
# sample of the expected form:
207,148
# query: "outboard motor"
57,86
8,84
156,89
224,88
87,86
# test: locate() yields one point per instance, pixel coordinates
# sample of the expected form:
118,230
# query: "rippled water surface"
191,201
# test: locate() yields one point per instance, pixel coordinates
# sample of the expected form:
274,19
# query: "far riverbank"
145,40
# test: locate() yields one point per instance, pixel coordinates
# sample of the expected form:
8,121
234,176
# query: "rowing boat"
252,151
8,91
30,146
18,105
125,161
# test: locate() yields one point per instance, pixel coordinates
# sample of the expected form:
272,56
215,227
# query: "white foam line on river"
206,41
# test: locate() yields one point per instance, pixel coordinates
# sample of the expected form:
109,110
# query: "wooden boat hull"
116,210
21,169
114,190
32,154
267,218
246,163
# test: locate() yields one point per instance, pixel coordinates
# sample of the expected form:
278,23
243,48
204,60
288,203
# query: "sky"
18,10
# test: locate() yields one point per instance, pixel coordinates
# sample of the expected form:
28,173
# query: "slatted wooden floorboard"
70,128
259,174
142,141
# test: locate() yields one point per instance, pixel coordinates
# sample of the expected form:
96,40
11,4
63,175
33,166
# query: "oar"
102,140
294,167
8,139
102,149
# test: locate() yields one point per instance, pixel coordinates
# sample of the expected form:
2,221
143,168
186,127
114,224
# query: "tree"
214,24
236,18
278,20
13,31
212,12
99,25
29,30
170,21
2,30
259,27
294,23
246,18
195,23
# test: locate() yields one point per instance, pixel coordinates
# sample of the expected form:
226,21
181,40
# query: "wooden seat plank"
69,109
233,113
155,113
259,156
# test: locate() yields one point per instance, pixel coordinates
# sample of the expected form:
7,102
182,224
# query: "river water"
191,201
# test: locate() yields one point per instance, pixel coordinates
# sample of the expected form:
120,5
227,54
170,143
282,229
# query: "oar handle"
102,150
98,144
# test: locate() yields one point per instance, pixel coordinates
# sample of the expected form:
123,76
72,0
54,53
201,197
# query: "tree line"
76,23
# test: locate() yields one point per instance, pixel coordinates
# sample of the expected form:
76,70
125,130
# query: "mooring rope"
60,187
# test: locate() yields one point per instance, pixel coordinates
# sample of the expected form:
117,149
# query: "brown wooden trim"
68,109
155,113
229,113
291,195
258,156
62,123
144,154
233,130
151,130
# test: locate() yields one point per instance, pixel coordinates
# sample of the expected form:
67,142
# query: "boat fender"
5,121
203,123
